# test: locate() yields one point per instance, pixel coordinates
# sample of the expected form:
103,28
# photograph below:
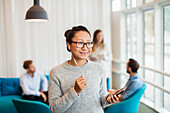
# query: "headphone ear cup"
69,47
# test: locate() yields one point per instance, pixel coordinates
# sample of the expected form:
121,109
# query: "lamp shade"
36,13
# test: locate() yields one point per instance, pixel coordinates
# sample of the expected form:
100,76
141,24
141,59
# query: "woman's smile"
84,53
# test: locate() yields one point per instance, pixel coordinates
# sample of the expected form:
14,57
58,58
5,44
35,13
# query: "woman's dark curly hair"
70,33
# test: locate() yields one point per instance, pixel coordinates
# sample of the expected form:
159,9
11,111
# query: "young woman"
78,85
101,53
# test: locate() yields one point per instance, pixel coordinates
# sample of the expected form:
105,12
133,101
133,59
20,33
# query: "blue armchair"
10,89
130,105
26,106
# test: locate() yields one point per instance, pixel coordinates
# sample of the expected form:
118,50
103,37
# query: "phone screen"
121,91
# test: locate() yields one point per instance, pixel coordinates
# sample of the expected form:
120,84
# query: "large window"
145,36
149,51
167,54
131,36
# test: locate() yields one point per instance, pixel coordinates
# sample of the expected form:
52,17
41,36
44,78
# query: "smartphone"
121,91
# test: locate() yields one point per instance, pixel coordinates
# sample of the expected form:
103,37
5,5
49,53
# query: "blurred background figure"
33,84
101,53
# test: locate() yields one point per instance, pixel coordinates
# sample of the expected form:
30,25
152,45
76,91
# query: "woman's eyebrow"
82,40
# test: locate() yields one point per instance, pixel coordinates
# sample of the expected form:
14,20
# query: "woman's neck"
76,62
98,44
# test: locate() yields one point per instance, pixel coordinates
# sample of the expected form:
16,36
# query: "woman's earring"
69,47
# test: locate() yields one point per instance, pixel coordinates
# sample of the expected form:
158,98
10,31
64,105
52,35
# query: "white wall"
44,43
115,23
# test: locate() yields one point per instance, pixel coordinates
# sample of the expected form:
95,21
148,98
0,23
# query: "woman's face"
99,37
84,52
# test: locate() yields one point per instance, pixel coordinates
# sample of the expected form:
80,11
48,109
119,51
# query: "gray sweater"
64,99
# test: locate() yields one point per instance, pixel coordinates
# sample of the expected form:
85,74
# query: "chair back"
130,105
26,106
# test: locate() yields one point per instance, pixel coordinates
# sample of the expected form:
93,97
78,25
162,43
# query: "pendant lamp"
36,13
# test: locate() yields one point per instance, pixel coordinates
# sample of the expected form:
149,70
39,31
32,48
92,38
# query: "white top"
31,85
104,62
97,53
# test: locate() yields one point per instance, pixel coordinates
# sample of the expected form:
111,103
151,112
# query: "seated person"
134,83
31,82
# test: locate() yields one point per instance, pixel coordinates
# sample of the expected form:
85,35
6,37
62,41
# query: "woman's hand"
80,84
101,56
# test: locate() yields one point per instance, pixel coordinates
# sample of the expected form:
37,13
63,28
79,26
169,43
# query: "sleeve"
44,83
131,89
103,91
58,101
25,88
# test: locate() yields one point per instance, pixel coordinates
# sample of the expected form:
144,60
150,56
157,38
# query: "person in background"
33,84
134,83
100,51
102,54
78,85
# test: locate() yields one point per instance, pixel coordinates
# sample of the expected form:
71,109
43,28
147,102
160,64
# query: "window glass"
149,92
116,5
149,39
149,51
130,3
139,2
147,1
131,36
167,55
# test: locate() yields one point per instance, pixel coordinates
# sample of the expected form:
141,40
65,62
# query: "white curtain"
44,43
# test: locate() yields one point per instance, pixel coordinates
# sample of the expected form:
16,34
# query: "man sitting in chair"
134,83
31,82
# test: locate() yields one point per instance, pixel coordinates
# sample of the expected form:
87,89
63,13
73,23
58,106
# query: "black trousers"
36,98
